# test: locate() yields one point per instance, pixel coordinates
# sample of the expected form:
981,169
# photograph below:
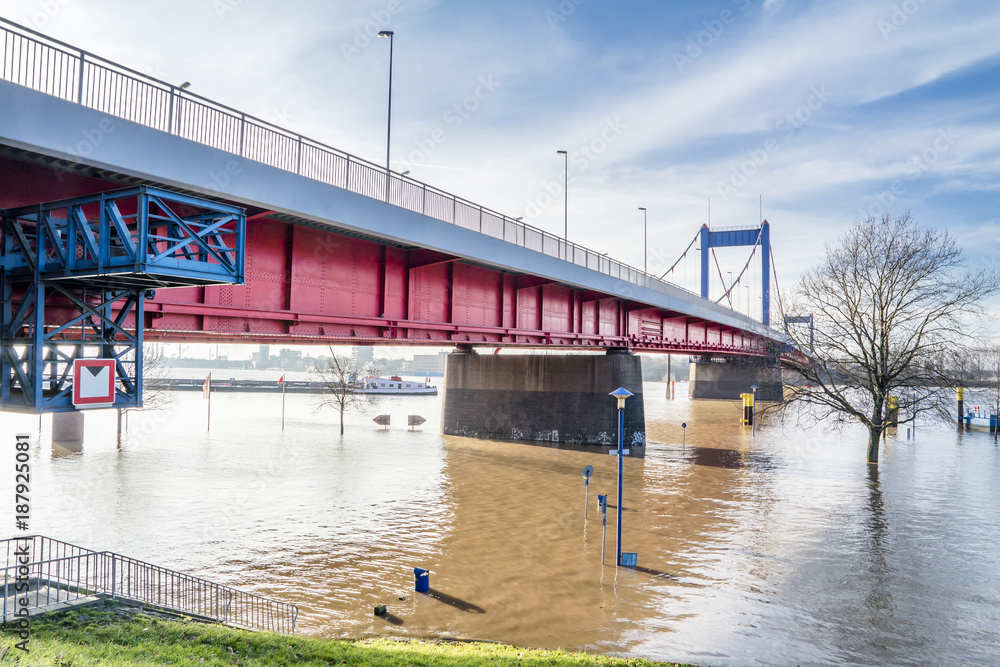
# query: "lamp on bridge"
388,117
175,93
565,194
645,243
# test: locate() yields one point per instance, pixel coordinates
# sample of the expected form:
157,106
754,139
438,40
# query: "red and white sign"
93,382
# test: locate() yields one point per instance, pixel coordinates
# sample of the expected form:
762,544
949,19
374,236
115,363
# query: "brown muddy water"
781,547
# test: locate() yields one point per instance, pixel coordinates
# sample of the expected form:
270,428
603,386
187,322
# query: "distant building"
426,364
289,360
363,356
262,358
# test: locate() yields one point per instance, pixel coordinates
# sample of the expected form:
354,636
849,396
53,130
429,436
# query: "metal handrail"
32,59
89,573
734,228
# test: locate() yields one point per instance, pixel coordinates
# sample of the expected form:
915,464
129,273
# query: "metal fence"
31,59
58,572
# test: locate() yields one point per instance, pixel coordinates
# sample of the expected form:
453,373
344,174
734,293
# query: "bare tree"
156,394
886,300
338,375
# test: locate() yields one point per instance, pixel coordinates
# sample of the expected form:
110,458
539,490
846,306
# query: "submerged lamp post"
753,420
621,393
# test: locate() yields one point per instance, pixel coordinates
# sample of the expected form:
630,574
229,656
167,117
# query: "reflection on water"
779,547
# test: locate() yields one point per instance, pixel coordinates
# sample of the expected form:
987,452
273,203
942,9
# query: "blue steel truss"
75,275
741,237
138,237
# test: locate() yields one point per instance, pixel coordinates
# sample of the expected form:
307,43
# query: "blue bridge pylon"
752,236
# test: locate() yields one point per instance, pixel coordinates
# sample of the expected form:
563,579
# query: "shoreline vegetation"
113,635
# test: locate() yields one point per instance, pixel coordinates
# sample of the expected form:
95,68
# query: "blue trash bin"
421,580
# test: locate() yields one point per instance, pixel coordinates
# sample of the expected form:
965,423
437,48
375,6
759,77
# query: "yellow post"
892,412
961,404
747,408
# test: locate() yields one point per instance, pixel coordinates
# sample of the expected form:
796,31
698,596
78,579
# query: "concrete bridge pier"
67,433
542,398
722,377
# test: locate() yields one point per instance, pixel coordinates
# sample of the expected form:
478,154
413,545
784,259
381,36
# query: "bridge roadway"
328,264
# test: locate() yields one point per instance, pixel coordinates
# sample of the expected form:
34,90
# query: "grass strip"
110,635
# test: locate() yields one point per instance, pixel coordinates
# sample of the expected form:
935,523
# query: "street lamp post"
383,34
645,243
621,393
565,194
176,93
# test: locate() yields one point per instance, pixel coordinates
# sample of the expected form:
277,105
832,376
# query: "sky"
816,114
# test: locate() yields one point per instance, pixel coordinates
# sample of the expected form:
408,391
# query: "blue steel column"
6,308
140,326
38,344
765,273
704,261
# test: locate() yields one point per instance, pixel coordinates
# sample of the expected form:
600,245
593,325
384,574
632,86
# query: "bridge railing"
31,59
54,573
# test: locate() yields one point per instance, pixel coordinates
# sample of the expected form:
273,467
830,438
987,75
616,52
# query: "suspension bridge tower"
718,376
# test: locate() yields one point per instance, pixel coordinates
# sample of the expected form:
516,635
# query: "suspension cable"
683,255
777,288
721,279
745,266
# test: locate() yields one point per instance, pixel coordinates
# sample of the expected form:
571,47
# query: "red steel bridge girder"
309,286
306,285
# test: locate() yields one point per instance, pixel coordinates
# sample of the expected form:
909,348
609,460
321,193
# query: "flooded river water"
781,547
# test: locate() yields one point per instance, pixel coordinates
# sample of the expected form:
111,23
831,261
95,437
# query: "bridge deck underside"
310,285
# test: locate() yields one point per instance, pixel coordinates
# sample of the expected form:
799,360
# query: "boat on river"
393,385
977,420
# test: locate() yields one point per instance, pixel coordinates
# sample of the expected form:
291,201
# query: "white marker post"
587,472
